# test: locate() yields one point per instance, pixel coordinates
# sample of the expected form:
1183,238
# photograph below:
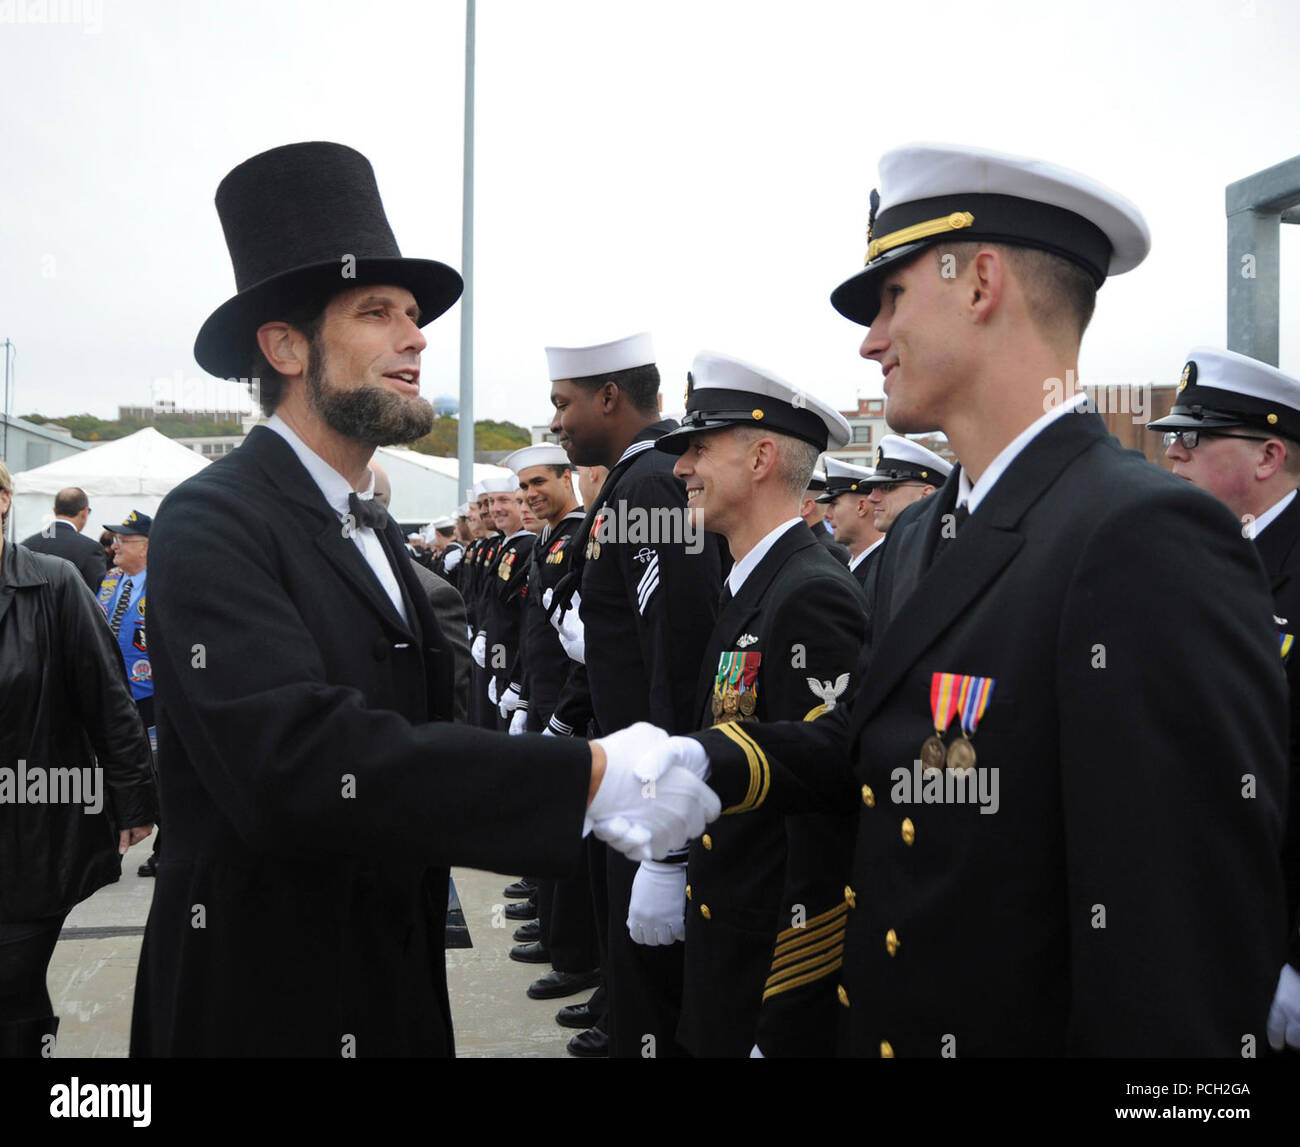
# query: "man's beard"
367,414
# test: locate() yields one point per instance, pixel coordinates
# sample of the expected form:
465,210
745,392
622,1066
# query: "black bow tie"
368,512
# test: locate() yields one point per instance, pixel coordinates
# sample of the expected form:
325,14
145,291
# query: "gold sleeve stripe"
766,781
815,936
759,771
795,955
808,977
813,922
820,962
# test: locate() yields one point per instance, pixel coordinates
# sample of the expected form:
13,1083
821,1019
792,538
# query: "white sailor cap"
564,362
1220,389
543,454
443,523
844,478
932,193
724,392
818,479
506,485
477,492
462,511
899,459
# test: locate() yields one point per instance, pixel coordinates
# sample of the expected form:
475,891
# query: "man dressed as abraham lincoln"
314,794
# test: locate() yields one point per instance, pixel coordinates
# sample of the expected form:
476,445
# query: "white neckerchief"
855,562
971,496
335,488
743,568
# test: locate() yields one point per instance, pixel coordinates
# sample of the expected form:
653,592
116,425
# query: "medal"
748,703
943,705
972,700
932,754
731,702
961,754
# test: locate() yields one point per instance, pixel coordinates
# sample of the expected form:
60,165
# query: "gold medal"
717,705
961,755
932,754
730,701
748,703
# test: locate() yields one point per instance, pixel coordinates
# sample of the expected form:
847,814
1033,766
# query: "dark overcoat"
313,799
1122,896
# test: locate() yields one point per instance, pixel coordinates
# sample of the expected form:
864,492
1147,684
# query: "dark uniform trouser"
568,919
644,984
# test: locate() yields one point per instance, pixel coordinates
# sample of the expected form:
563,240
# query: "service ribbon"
943,700
973,699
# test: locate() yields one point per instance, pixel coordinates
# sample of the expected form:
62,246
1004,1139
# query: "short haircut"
1292,464
639,383
1058,292
70,502
795,458
306,318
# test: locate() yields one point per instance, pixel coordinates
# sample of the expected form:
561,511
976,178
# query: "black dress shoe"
527,933
524,910
520,890
557,985
534,953
576,1016
591,1044
148,868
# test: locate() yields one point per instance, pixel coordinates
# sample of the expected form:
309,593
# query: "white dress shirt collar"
333,485
1269,516
862,557
746,565
971,496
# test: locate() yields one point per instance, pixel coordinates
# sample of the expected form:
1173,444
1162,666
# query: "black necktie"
115,623
368,512
726,596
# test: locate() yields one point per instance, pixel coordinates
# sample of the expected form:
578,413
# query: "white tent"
132,473
425,486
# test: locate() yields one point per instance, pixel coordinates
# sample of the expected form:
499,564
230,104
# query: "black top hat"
292,217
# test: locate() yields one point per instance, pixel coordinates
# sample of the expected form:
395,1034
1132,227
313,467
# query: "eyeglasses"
120,541
890,487
1191,438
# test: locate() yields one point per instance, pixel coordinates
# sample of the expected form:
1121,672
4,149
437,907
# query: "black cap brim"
858,297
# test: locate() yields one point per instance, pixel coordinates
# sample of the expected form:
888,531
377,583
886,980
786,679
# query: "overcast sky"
697,168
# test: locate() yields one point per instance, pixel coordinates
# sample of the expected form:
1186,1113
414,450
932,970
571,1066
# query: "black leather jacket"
64,705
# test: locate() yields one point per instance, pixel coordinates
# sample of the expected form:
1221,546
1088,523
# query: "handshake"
652,798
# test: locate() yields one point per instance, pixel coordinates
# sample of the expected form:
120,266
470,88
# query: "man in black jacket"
1068,839
1234,432
315,796
761,906
63,537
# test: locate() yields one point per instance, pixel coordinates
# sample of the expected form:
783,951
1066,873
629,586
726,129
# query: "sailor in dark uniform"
1234,432
850,513
905,472
764,926
648,596
1070,818
814,516
566,922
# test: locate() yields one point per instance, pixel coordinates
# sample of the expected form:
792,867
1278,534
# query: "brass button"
909,830
891,942
886,1049
850,896
843,995
688,892
707,841
868,797
704,911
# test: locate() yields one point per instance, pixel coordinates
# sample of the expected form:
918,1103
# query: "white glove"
492,690
568,625
644,806
451,561
548,733
547,597
754,1053
518,721
656,914
478,650
689,754
510,702
1284,1015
